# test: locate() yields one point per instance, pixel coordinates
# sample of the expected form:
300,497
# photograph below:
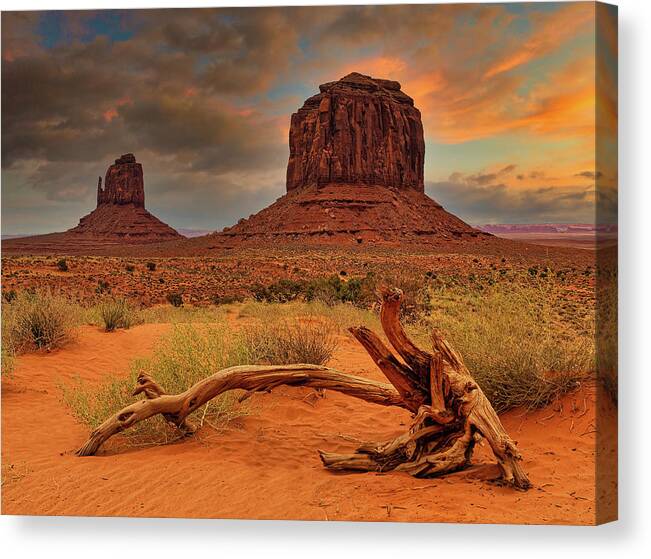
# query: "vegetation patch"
8,359
189,354
175,299
339,288
516,342
606,335
38,320
341,316
116,313
283,343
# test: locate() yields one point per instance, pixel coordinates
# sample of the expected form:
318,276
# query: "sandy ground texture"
266,466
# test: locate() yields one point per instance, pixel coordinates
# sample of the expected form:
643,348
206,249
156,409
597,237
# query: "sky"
513,99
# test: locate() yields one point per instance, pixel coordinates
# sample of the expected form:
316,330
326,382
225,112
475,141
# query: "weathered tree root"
451,413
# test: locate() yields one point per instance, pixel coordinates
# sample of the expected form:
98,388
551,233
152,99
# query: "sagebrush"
39,320
116,313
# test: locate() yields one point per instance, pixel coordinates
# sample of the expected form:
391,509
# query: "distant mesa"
355,174
120,212
120,217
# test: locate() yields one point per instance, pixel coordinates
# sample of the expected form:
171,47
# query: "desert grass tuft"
606,328
285,342
185,314
8,360
341,315
39,320
116,313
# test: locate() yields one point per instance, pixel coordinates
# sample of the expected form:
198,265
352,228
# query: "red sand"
267,466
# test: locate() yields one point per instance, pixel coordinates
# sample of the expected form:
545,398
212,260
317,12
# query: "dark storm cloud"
60,94
232,52
172,94
345,26
52,108
204,134
264,47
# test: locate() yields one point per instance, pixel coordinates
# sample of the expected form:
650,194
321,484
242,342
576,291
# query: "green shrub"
333,289
39,320
62,265
129,268
116,313
282,291
175,299
329,289
151,266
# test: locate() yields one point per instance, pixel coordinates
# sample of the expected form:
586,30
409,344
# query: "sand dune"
266,465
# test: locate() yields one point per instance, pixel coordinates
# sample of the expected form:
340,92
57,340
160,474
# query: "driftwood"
450,411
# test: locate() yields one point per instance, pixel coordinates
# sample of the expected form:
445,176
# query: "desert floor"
265,465
205,279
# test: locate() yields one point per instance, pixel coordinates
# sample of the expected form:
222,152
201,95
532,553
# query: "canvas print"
316,263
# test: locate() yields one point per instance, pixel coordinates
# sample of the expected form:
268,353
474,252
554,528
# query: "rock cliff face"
123,183
358,130
355,175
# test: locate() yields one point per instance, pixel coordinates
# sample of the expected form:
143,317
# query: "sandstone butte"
119,218
355,174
